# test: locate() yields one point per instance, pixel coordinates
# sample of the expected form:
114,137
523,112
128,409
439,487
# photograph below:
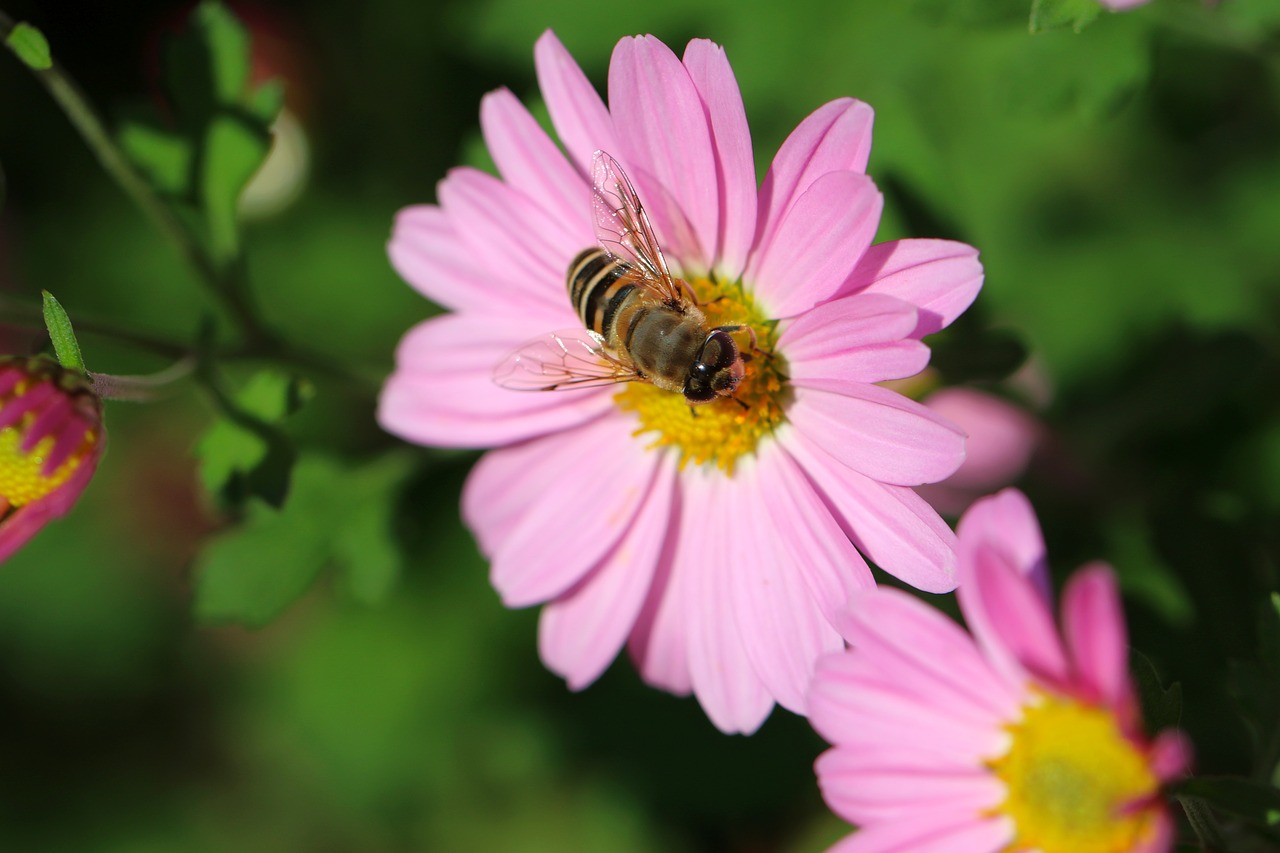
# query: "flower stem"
224,285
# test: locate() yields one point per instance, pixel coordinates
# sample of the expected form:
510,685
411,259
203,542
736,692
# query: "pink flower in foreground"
51,439
716,544
1025,736
1001,439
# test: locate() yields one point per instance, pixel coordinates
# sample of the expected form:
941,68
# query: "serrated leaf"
246,454
207,64
63,337
30,45
1253,802
1049,15
162,155
1161,706
233,151
364,545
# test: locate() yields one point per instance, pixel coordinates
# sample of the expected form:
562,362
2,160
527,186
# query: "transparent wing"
624,231
573,358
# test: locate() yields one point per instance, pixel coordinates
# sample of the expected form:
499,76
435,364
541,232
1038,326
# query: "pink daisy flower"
1024,736
716,543
51,439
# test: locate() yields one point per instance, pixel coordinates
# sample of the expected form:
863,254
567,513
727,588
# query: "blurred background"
1122,183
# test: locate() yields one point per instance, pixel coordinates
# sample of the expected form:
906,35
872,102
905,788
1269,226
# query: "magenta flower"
1001,439
716,543
51,439
1020,737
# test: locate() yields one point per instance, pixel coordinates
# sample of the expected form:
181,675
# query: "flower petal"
892,525
735,162
533,258
429,253
864,789
1006,522
442,392
936,832
779,620
664,135
604,475
1094,627
816,244
581,632
940,277
877,432
530,162
580,117
858,338
708,554
836,137
659,645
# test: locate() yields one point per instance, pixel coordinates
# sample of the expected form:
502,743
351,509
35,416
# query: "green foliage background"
184,666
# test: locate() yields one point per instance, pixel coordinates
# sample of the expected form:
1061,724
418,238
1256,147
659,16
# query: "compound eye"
719,350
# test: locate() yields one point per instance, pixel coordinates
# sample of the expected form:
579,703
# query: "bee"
640,323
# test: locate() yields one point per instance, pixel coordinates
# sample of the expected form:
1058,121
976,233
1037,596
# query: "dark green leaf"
364,545
30,45
244,453
233,150
61,334
1060,14
1257,803
162,155
1161,707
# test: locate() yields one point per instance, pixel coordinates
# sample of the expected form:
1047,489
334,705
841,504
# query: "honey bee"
641,324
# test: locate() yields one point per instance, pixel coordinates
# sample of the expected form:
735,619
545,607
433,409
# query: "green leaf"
1060,14
1161,707
65,345
1254,802
243,453
233,150
30,45
163,155
364,545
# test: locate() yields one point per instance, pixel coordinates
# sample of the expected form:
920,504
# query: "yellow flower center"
22,478
1075,783
725,429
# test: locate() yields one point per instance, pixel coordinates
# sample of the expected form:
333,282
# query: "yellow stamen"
1075,783
22,479
721,431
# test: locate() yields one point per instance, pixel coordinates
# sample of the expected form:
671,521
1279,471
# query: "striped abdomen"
599,284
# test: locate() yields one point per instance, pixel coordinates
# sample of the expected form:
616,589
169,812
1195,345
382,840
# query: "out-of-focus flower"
1122,5
1020,737
51,438
1001,440
717,543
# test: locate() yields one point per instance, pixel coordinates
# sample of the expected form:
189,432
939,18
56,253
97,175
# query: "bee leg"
746,407
693,411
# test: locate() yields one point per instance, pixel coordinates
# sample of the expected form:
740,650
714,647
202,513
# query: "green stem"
86,121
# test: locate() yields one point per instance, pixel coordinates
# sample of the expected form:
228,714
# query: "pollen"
722,431
1075,783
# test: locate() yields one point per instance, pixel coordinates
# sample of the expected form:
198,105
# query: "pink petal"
604,476
812,541
442,392
659,645
530,162
1010,618
1171,755
940,277
780,622
579,115
664,134
32,401
581,632
834,138
735,162
877,432
858,338
865,791
521,241
816,244
930,657
1094,628
932,832
890,524
707,556
1007,523
427,251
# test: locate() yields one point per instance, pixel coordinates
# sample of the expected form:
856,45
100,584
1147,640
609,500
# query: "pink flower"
1122,5
51,439
1001,440
716,544
1020,737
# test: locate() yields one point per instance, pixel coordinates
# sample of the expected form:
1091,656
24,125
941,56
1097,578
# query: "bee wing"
624,231
573,358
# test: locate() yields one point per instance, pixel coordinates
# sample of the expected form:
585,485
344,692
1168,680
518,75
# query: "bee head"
716,371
